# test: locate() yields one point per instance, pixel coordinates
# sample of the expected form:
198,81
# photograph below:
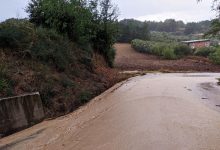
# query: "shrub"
111,57
47,93
165,50
215,57
3,85
141,46
84,97
182,50
205,51
21,37
157,48
66,82
52,48
168,53
16,34
6,84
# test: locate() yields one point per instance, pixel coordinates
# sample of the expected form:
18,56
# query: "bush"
141,46
84,97
168,53
182,50
21,37
66,82
16,34
52,48
215,57
6,83
158,48
205,51
111,57
165,50
3,85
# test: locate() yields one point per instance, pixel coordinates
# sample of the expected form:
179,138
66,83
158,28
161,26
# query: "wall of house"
199,44
18,113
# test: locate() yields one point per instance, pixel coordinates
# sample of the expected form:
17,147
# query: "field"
128,59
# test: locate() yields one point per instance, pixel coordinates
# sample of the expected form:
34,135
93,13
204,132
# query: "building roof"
195,41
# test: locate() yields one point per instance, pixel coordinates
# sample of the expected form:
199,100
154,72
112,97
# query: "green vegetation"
170,30
165,50
84,97
215,57
175,50
167,37
130,29
5,81
16,35
88,23
182,50
52,52
205,51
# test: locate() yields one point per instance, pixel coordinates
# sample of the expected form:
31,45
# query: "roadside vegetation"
64,51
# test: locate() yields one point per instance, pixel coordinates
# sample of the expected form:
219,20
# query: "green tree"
106,30
215,26
67,17
86,22
130,29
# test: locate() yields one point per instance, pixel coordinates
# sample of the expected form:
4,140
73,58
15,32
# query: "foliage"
167,37
164,50
205,51
168,53
67,17
5,82
179,27
85,22
16,35
182,50
141,46
3,85
84,97
168,31
215,57
52,48
46,45
130,29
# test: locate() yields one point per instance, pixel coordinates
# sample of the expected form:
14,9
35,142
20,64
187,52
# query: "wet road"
155,112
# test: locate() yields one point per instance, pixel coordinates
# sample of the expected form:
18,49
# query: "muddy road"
155,112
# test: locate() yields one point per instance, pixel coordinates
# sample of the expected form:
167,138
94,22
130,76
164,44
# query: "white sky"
158,10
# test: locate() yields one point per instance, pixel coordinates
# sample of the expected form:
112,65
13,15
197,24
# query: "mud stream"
155,112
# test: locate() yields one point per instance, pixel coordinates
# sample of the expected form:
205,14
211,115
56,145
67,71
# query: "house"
198,43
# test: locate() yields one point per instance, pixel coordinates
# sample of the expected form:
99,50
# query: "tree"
130,29
86,22
106,30
215,26
67,17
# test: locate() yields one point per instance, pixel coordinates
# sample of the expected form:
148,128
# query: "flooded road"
155,112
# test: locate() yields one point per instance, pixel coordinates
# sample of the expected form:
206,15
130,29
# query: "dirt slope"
143,113
128,59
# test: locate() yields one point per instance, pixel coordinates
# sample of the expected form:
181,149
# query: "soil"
61,92
128,59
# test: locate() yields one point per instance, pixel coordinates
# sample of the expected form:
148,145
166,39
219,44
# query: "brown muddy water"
155,112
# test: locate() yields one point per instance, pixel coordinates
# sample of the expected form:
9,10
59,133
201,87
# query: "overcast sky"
158,10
